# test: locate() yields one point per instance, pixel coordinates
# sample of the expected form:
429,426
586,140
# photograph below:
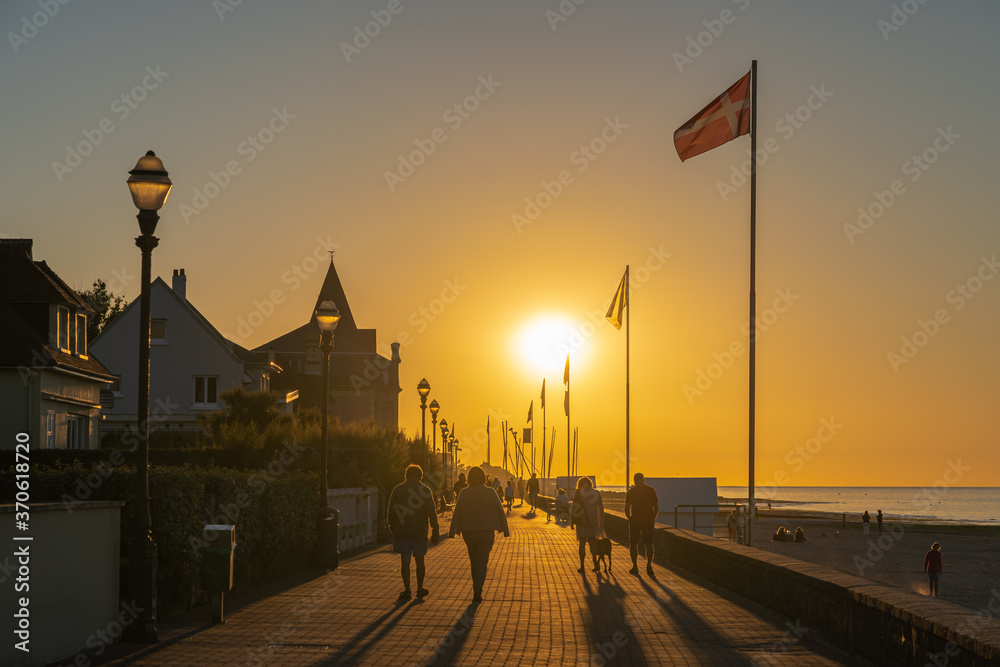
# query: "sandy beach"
971,553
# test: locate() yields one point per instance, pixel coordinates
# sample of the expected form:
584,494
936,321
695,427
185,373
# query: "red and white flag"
725,118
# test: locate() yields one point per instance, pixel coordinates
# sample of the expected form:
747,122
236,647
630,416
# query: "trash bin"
217,558
326,553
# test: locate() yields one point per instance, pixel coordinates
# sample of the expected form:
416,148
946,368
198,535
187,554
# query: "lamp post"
444,441
451,456
149,184
454,457
435,408
326,554
423,388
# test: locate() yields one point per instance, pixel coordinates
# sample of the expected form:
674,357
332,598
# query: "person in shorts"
410,512
641,507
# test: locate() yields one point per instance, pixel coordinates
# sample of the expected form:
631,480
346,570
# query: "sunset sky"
287,130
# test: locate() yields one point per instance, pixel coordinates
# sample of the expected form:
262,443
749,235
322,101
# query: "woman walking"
478,515
933,568
587,514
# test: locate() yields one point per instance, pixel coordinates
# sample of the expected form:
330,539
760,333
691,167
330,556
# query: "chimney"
19,248
395,353
179,284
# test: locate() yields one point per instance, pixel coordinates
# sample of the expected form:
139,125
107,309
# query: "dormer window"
81,335
62,323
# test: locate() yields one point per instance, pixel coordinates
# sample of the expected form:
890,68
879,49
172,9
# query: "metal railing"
716,508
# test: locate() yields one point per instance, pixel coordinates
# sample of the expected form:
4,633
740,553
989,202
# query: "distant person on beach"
478,516
779,535
533,491
641,509
410,512
878,517
509,495
933,567
800,535
866,523
731,524
587,514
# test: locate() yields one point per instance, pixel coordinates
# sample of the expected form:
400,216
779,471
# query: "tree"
106,305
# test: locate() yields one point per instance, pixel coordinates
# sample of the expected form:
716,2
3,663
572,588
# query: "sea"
967,505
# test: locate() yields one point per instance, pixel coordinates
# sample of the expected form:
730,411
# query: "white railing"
358,509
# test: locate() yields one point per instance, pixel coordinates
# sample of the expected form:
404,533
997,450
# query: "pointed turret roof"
333,290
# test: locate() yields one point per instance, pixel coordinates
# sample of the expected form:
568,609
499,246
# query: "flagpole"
628,314
544,431
489,461
753,291
569,431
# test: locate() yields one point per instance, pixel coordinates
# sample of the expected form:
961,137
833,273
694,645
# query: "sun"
543,343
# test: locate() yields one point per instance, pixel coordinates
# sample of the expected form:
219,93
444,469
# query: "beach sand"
970,553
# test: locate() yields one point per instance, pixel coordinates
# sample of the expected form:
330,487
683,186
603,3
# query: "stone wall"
881,623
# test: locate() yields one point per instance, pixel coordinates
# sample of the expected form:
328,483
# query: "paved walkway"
537,610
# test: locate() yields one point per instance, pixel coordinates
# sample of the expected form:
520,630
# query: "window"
116,386
158,329
76,432
62,317
204,389
81,335
50,429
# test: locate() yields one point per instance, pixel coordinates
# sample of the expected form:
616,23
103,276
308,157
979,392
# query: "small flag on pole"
618,302
725,118
566,372
487,424
543,393
531,410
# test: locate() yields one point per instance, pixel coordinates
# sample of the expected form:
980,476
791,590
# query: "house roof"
23,347
23,280
348,338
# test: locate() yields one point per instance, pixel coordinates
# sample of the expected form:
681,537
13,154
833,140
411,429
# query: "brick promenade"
537,611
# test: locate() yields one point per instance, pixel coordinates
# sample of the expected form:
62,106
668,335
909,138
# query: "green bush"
274,513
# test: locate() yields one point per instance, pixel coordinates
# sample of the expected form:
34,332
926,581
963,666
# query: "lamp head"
149,183
327,316
434,408
423,388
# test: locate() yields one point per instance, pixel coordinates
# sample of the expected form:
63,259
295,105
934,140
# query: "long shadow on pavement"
383,624
606,619
448,647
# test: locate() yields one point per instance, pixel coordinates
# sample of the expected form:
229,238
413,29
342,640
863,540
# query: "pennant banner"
543,393
531,410
725,118
618,303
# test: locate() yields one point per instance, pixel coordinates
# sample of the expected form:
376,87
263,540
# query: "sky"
484,171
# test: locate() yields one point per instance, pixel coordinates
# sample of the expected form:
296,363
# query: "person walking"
509,495
460,484
587,515
641,509
533,491
866,523
933,568
731,524
520,489
477,517
410,512
878,517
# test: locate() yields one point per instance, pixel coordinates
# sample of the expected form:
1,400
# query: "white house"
190,362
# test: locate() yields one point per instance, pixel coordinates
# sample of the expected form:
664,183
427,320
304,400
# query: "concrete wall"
881,623
72,585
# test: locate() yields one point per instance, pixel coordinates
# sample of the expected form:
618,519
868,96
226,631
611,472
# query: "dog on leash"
602,550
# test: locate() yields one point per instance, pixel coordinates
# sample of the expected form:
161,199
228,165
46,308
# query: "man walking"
533,491
641,507
410,511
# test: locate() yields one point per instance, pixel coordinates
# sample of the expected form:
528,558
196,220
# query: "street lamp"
423,388
435,408
149,184
326,555
444,441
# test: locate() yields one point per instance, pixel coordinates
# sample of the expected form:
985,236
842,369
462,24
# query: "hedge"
274,512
